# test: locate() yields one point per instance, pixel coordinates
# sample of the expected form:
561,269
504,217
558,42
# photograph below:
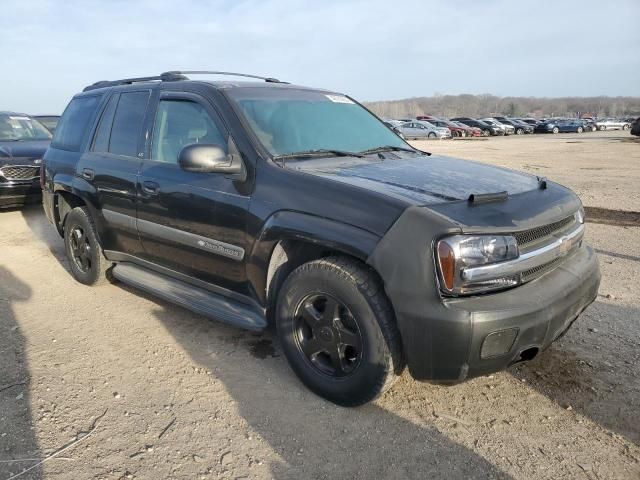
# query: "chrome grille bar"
527,261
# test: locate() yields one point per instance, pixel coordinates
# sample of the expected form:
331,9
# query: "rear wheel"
486,132
602,128
580,130
555,130
88,264
431,135
520,131
338,332
625,127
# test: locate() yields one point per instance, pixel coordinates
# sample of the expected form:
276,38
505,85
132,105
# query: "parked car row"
426,126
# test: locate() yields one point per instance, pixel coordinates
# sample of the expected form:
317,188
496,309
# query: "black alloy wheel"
327,335
87,263
337,330
80,249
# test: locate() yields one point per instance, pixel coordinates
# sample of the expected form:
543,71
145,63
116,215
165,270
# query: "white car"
612,124
423,129
507,129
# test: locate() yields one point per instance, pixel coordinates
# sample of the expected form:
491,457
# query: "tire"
555,130
486,132
602,128
519,131
580,129
86,260
348,357
594,128
431,135
625,127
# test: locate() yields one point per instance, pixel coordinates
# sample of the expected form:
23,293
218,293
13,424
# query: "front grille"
540,269
534,234
20,172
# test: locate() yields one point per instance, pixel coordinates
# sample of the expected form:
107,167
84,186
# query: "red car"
456,131
471,131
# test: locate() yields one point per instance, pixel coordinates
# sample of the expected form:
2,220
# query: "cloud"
372,49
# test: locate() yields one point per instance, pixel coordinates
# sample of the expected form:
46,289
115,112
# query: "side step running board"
193,298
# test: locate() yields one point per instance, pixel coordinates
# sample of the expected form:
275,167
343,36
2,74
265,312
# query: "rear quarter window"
75,122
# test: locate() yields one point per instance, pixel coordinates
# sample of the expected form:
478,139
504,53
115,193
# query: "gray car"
612,124
507,129
422,129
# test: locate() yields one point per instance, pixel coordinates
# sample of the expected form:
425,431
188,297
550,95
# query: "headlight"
580,215
458,252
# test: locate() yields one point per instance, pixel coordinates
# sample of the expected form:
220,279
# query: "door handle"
88,174
150,188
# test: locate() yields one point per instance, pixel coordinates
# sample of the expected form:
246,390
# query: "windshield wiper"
320,152
392,148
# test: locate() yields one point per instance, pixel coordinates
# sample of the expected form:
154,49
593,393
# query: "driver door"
190,222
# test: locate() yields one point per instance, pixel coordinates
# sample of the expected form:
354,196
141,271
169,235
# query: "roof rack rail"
172,76
164,77
232,74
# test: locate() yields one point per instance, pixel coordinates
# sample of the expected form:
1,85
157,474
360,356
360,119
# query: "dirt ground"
138,388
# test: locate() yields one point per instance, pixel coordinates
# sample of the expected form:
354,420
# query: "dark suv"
262,202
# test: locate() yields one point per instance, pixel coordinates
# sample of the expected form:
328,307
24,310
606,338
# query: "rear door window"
127,123
75,122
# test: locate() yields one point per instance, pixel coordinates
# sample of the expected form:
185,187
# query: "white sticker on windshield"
339,98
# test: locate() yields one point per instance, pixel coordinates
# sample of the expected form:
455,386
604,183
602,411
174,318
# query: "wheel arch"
64,202
290,239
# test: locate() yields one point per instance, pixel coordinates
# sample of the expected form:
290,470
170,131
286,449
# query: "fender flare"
291,225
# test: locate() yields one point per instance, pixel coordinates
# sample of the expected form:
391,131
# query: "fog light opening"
498,343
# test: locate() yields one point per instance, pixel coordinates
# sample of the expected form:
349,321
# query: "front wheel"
602,128
625,127
486,133
88,264
580,130
431,135
520,131
555,130
338,332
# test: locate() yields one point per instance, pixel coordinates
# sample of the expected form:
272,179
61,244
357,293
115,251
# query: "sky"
371,50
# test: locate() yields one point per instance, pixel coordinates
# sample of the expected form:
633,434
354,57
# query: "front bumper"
443,337
17,194
538,312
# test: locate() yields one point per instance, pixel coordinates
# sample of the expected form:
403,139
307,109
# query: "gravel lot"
138,388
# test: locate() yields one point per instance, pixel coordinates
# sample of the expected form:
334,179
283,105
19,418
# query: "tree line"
486,105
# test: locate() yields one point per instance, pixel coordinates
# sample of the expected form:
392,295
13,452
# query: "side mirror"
210,158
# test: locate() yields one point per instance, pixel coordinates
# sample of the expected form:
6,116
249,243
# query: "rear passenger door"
111,167
192,223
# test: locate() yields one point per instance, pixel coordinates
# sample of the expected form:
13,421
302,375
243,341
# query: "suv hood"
22,152
421,180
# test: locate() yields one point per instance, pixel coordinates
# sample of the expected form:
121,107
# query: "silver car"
507,129
612,124
423,129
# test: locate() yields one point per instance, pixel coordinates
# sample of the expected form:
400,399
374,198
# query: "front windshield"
288,121
19,127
